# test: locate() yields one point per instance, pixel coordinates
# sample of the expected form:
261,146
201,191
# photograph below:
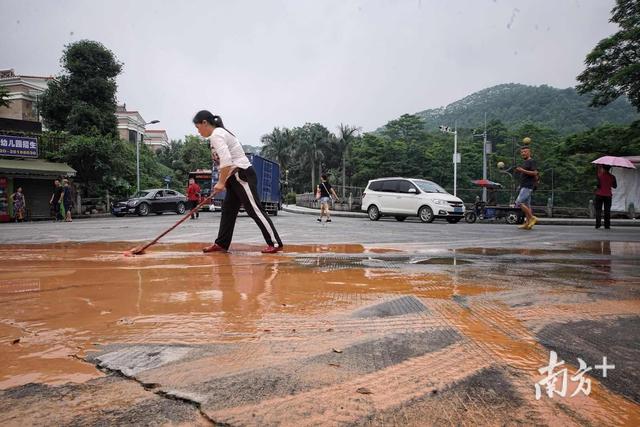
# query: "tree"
312,142
195,154
4,97
407,128
613,66
102,163
278,146
82,100
346,135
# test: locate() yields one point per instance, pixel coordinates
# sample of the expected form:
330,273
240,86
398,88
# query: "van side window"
404,186
376,186
390,186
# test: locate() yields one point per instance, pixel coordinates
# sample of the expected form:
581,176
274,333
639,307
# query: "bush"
290,198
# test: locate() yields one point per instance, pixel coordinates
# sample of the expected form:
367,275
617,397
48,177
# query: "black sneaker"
319,219
329,220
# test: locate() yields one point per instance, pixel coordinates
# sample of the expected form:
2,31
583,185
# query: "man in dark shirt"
54,202
528,180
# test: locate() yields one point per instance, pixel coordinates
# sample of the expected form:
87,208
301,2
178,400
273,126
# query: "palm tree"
278,146
312,141
346,135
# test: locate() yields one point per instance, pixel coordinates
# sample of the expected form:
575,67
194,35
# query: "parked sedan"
158,201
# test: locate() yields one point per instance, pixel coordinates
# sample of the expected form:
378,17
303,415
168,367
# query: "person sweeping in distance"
238,178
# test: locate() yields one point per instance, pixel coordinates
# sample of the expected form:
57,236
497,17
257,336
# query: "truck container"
268,183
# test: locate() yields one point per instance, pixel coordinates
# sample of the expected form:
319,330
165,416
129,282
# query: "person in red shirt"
193,197
606,181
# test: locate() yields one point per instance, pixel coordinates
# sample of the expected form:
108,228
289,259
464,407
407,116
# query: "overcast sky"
266,63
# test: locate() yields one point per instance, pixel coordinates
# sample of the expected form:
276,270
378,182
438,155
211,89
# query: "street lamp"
456,155
152,122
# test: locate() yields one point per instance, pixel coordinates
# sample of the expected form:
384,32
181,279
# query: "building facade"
22,148
24,92
130,124
156,139
132,128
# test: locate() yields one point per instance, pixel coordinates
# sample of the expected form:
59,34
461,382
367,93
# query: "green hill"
563,110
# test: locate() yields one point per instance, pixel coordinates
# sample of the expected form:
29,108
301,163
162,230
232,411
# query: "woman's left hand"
218,188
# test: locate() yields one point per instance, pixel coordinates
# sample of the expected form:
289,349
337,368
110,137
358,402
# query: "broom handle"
188,214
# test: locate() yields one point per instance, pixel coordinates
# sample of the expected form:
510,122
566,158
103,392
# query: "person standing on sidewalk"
238,178
55,201
67,199
19,205
193,197
606,182
528,179
325,192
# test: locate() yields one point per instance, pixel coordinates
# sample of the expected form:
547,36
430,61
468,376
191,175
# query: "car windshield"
430,187
140,194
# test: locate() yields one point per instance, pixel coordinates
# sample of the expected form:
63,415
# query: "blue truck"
268,174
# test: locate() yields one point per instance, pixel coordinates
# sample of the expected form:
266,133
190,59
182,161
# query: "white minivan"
403,197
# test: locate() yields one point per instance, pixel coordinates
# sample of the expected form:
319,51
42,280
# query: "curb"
583,222
316,212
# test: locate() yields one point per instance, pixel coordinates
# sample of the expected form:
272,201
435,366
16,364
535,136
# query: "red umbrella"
486,183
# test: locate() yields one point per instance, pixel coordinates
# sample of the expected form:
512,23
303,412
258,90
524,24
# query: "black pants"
55,210
242,189
192,204
606,201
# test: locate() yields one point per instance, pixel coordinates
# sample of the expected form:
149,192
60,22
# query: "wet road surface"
373,334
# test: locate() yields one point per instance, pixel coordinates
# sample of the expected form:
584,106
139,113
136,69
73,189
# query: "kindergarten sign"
18,146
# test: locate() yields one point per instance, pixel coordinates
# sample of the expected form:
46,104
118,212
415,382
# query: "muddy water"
58,302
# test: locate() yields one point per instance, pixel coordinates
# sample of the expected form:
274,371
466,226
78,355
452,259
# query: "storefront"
35,176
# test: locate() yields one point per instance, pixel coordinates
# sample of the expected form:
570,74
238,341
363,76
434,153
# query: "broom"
139,250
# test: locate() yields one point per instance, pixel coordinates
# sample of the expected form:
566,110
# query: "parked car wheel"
143,209
453,220
470,217
373,212
400,218
181,209
426,214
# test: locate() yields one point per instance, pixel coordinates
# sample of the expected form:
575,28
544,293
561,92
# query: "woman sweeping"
238,178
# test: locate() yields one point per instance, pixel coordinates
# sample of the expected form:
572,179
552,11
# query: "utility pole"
456,155
484,156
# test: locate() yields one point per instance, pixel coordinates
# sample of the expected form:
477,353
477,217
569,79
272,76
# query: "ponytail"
213,120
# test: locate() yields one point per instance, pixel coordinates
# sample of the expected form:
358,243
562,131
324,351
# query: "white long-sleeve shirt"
227,150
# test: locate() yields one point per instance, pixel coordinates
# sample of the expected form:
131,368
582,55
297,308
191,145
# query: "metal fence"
94,205
349,203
